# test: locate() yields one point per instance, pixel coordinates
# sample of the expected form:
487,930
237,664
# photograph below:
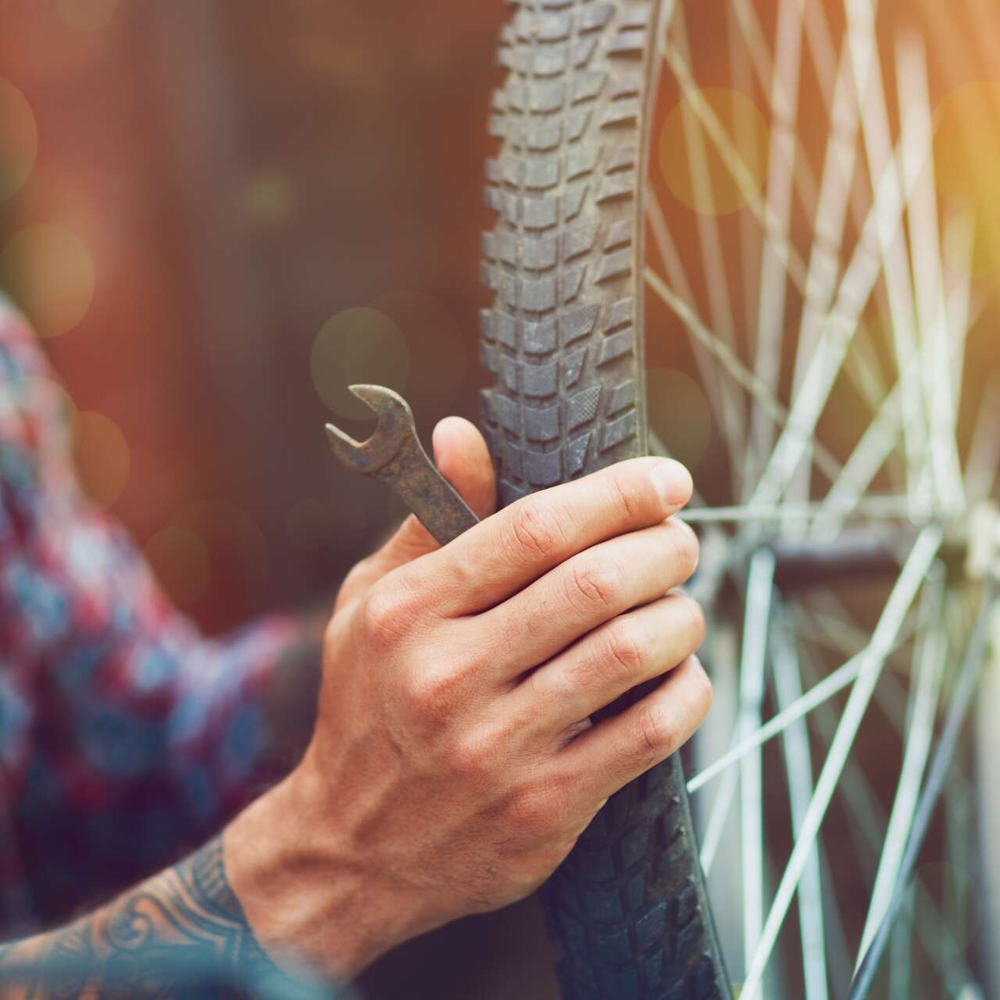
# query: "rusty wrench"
393,455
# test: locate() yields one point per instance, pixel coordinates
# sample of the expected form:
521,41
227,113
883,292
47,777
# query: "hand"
454,762
460,453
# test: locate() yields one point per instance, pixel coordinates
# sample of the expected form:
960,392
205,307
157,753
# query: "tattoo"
181,934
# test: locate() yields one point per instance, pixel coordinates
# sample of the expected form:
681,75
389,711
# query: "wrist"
307,893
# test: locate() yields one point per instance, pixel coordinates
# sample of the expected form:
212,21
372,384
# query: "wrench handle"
414,478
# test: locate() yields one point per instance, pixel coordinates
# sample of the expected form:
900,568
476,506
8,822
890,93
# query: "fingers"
463,458
613,659
586,591
616,751
521,543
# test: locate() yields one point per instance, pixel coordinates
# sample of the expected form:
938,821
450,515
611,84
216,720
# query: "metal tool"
393,455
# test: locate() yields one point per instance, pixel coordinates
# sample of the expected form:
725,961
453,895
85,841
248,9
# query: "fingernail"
673,482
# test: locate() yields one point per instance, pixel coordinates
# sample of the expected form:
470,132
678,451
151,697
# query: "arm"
456,756
179,930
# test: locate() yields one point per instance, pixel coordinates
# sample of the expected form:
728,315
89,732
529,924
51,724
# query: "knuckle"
593,582
654,737
430,692
385,613
535,530
625,645
626,497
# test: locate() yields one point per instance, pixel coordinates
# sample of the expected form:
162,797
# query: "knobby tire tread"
628,909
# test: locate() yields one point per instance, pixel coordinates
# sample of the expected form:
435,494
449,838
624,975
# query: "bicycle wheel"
826,375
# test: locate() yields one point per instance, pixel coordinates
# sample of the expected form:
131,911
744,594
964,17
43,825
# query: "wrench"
393,455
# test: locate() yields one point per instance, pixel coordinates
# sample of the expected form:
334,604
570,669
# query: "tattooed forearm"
182,933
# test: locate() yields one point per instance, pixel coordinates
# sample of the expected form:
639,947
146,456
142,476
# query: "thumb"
461,455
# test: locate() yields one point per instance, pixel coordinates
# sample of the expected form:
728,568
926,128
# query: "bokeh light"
971,246
310,524
679,413
86,15
717,190
967,147
102,456
50,272
266,199
358,346
18,140
180,559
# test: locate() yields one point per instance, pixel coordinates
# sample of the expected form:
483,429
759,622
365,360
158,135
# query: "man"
453,761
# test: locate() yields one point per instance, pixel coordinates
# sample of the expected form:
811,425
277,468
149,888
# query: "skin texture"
454,762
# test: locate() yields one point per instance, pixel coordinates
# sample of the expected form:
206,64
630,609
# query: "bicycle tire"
628,909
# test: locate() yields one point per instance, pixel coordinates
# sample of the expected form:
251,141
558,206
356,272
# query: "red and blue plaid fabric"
125,736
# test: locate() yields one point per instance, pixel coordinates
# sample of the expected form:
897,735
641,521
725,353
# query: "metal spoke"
866,830
891,507
840,326
747,142
984,453
717,821
891,243
828,233
876,446
840,679
734,366
732,158
940,766
710,241
821,693
902,596
929,286
931,649
753,659
884,323
900,985
798,767
722,393
784,89
755,43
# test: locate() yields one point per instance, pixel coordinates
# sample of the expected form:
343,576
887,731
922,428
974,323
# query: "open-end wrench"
393,455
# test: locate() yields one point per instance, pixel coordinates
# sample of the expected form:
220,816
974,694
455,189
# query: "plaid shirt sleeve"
125,736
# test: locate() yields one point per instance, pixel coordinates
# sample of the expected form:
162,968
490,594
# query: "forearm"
182,929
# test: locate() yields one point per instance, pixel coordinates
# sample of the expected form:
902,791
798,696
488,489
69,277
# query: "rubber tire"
628,910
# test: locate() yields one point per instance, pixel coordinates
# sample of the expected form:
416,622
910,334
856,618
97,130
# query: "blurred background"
217,216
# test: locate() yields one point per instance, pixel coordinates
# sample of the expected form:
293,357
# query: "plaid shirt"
125,736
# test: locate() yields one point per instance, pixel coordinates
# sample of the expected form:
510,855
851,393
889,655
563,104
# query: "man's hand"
455,763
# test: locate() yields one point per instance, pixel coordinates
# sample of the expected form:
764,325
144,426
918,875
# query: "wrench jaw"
393,455
385,403
351,453
395,426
